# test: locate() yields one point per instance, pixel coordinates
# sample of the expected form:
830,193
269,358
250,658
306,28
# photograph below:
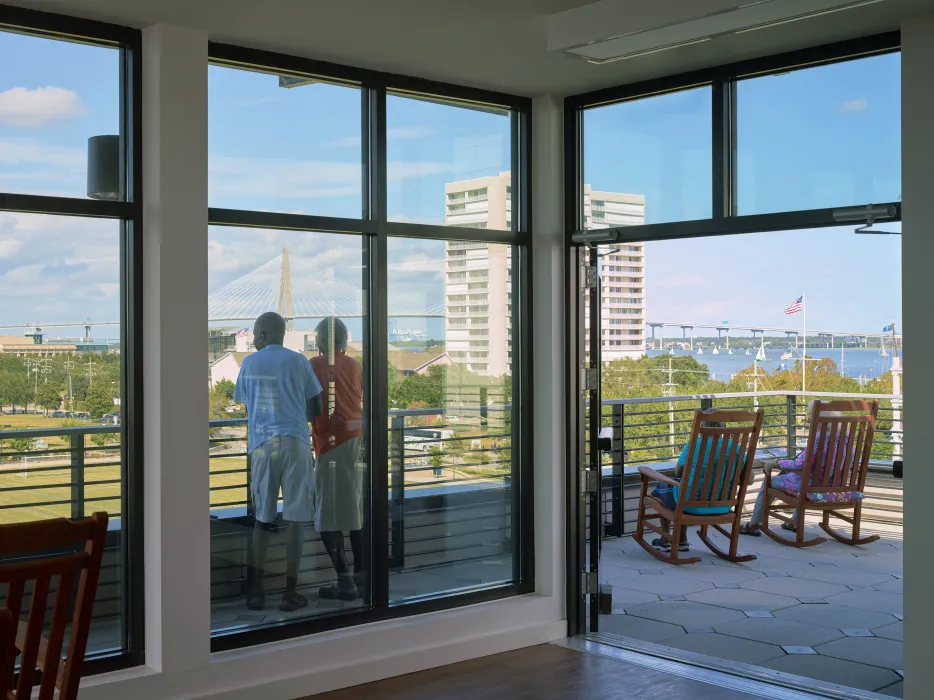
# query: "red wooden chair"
718,470
35,650
834,473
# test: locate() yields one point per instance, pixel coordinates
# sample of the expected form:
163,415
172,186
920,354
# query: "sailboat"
716,350
671,351
761,356
700,351
730,351
748,352
883,352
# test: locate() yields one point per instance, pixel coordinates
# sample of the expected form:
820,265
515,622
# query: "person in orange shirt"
337,435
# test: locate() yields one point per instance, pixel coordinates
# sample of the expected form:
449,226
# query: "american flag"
796,306
243,332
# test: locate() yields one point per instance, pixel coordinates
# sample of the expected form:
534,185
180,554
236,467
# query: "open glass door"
593,438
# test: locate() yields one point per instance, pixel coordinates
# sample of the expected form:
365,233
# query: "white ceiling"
494,44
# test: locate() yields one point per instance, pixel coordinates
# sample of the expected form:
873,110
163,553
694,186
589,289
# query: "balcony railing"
654,430
449,496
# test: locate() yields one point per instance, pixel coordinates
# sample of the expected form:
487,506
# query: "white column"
549,333
175,257
918,290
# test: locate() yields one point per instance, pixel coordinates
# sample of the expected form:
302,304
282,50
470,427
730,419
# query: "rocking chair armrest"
652,475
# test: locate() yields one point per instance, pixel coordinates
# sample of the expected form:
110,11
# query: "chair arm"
651,474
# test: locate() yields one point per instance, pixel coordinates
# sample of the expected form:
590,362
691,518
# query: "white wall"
918,292
177,557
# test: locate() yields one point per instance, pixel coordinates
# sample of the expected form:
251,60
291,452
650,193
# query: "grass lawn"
35,495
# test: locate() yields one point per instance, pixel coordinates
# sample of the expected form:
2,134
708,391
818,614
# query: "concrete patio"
829,612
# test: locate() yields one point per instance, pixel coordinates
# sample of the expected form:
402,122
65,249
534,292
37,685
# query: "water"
855,362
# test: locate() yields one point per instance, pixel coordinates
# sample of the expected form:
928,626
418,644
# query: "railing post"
397,492
616,455
250,507
77,475
705,404
791,414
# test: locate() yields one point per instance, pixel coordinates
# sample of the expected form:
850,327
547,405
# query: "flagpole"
804,332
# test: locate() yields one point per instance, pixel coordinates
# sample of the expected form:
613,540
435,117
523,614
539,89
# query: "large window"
335,210
648,160
800,137
448,165
785,139
69,229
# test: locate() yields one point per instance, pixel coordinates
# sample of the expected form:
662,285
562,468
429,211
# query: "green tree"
225,387
49,396
100,399
16,388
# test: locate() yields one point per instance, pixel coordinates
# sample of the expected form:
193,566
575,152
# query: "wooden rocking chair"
37,651
717,472
836,471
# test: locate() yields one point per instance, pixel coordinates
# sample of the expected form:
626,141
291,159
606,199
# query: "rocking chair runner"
717,471
834,473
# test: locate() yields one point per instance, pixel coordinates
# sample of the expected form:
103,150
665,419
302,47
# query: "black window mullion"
720,137
378,344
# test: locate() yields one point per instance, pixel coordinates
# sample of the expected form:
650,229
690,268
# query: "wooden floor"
545,672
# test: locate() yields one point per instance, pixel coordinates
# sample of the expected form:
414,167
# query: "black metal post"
617,456
397,492
791,426
77,475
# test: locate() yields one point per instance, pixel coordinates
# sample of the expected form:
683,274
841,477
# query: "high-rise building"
478,276
622,272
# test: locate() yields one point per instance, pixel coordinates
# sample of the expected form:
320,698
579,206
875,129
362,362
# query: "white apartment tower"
622,274
478,277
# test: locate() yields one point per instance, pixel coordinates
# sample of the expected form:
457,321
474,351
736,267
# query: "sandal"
256,602
789,527
750,529
292,602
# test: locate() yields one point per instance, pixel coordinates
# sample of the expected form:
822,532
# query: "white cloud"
418,263
398,133
31,108
32,152
281,178
858,105
9,248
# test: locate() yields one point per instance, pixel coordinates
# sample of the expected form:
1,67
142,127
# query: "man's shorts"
282,462
665,493
339,477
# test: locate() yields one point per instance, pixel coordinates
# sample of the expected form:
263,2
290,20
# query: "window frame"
722,222
130,213
722,80
375,229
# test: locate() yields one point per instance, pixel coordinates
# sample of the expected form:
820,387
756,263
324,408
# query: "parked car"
59,414
82,415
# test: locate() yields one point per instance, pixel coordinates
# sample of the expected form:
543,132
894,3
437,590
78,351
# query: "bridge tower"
285,291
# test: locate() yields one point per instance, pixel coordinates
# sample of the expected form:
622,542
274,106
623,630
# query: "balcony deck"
830,612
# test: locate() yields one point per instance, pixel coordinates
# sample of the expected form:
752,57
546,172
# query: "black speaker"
897,468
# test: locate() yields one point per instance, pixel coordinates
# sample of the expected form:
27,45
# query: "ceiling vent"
568,31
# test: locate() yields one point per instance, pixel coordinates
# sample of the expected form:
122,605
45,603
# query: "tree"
225,387
49,396
100,399
15,388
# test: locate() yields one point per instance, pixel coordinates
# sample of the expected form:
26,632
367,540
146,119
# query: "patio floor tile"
773,630
795,587
896,691
722,646
743,599
835,616
872,651
893,631
638,628
837,574
879,601
834,670
658,584
686,613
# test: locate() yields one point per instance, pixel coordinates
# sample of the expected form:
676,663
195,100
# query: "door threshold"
753,680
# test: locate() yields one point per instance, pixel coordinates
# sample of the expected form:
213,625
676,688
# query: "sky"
822,137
